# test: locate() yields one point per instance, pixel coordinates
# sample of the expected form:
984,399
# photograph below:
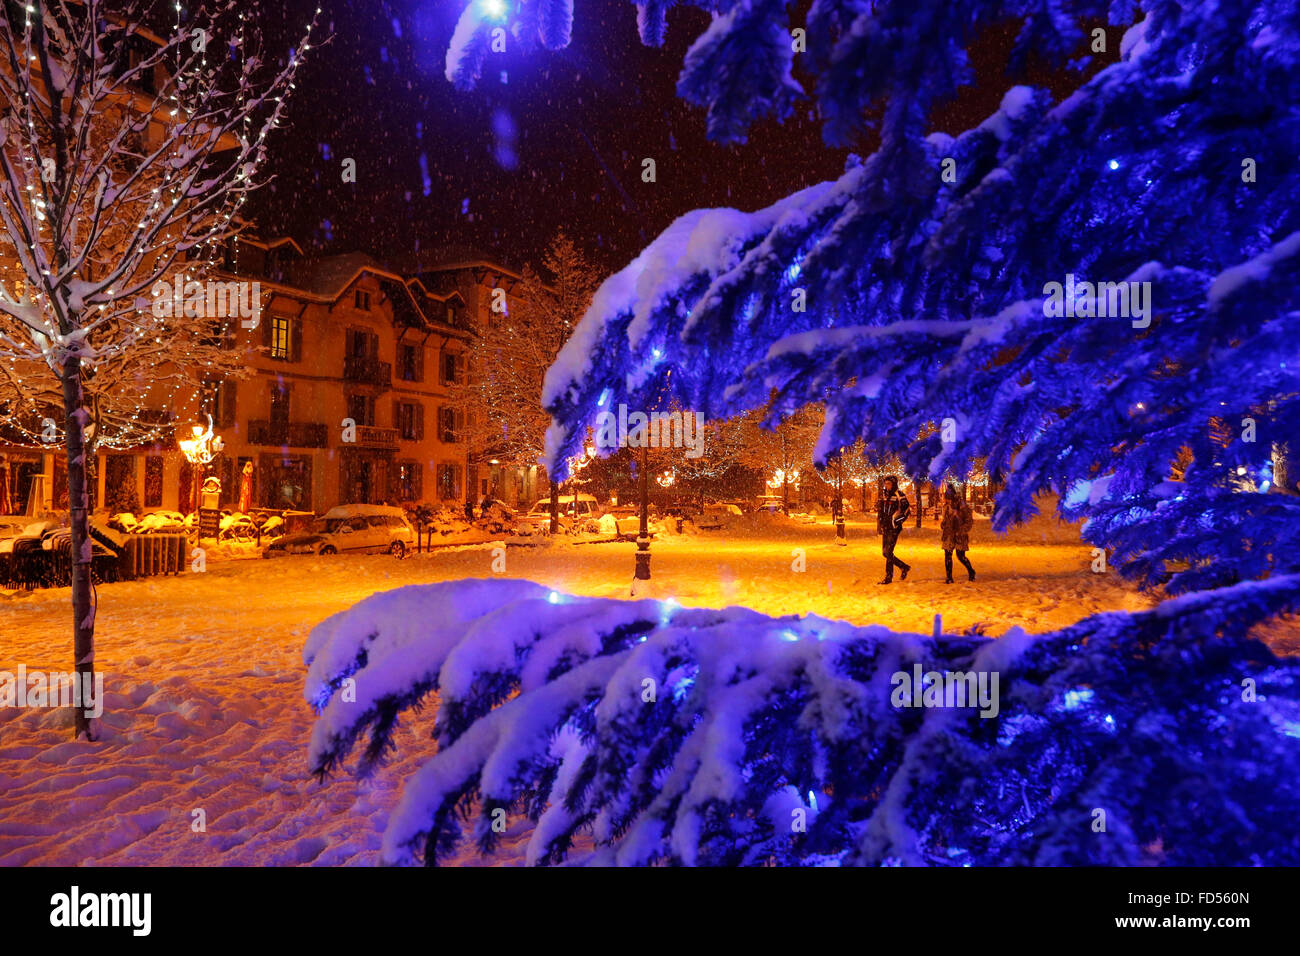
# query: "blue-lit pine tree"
1099,297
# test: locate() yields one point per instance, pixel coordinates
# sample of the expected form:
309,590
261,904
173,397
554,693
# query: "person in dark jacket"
954,528
469,509
891,513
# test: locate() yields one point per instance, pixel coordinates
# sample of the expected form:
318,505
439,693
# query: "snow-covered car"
716,515
575,510
354,528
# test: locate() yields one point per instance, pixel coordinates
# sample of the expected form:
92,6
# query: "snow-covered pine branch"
638,732
923,274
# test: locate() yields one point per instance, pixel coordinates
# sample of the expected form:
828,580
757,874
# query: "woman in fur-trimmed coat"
954,527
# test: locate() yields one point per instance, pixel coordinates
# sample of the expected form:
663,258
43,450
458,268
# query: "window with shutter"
296,349
281,337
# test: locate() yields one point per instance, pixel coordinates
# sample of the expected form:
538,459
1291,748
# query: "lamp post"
199,450
839,507
643,538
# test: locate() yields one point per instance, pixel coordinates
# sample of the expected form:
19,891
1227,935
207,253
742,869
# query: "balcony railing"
291,434
372,436
367,371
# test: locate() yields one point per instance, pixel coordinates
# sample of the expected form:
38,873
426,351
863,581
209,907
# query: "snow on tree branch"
1040,282
639,732
128,147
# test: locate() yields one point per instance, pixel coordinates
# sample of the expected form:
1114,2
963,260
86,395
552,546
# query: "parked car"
574,510
716,515
355,528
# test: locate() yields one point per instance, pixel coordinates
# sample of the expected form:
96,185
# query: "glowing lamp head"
493,9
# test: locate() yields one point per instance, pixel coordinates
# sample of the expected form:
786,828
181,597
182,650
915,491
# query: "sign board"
209,523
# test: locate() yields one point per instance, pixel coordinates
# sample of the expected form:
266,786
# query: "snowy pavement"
204,676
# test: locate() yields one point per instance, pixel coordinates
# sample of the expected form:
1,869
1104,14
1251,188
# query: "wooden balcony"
367,371
288,434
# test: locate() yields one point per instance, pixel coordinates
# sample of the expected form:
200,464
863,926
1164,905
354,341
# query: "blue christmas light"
1074,699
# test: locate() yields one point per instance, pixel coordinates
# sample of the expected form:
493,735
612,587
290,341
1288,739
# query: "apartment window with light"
281,337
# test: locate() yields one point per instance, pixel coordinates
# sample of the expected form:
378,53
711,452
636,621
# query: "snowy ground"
204,675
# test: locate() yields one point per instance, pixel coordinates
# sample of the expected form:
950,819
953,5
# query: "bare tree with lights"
126,153
502,399
781,454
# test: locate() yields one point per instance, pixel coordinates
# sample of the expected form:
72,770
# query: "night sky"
557,143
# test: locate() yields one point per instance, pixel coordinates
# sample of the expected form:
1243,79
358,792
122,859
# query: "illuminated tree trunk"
555,507
83,611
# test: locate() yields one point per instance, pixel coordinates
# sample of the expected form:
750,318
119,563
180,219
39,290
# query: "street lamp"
199,450
643,538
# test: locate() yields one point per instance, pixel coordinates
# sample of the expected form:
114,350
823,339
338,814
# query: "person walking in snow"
891,513
954,528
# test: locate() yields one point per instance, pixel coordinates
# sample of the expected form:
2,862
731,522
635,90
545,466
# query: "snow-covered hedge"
657,733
